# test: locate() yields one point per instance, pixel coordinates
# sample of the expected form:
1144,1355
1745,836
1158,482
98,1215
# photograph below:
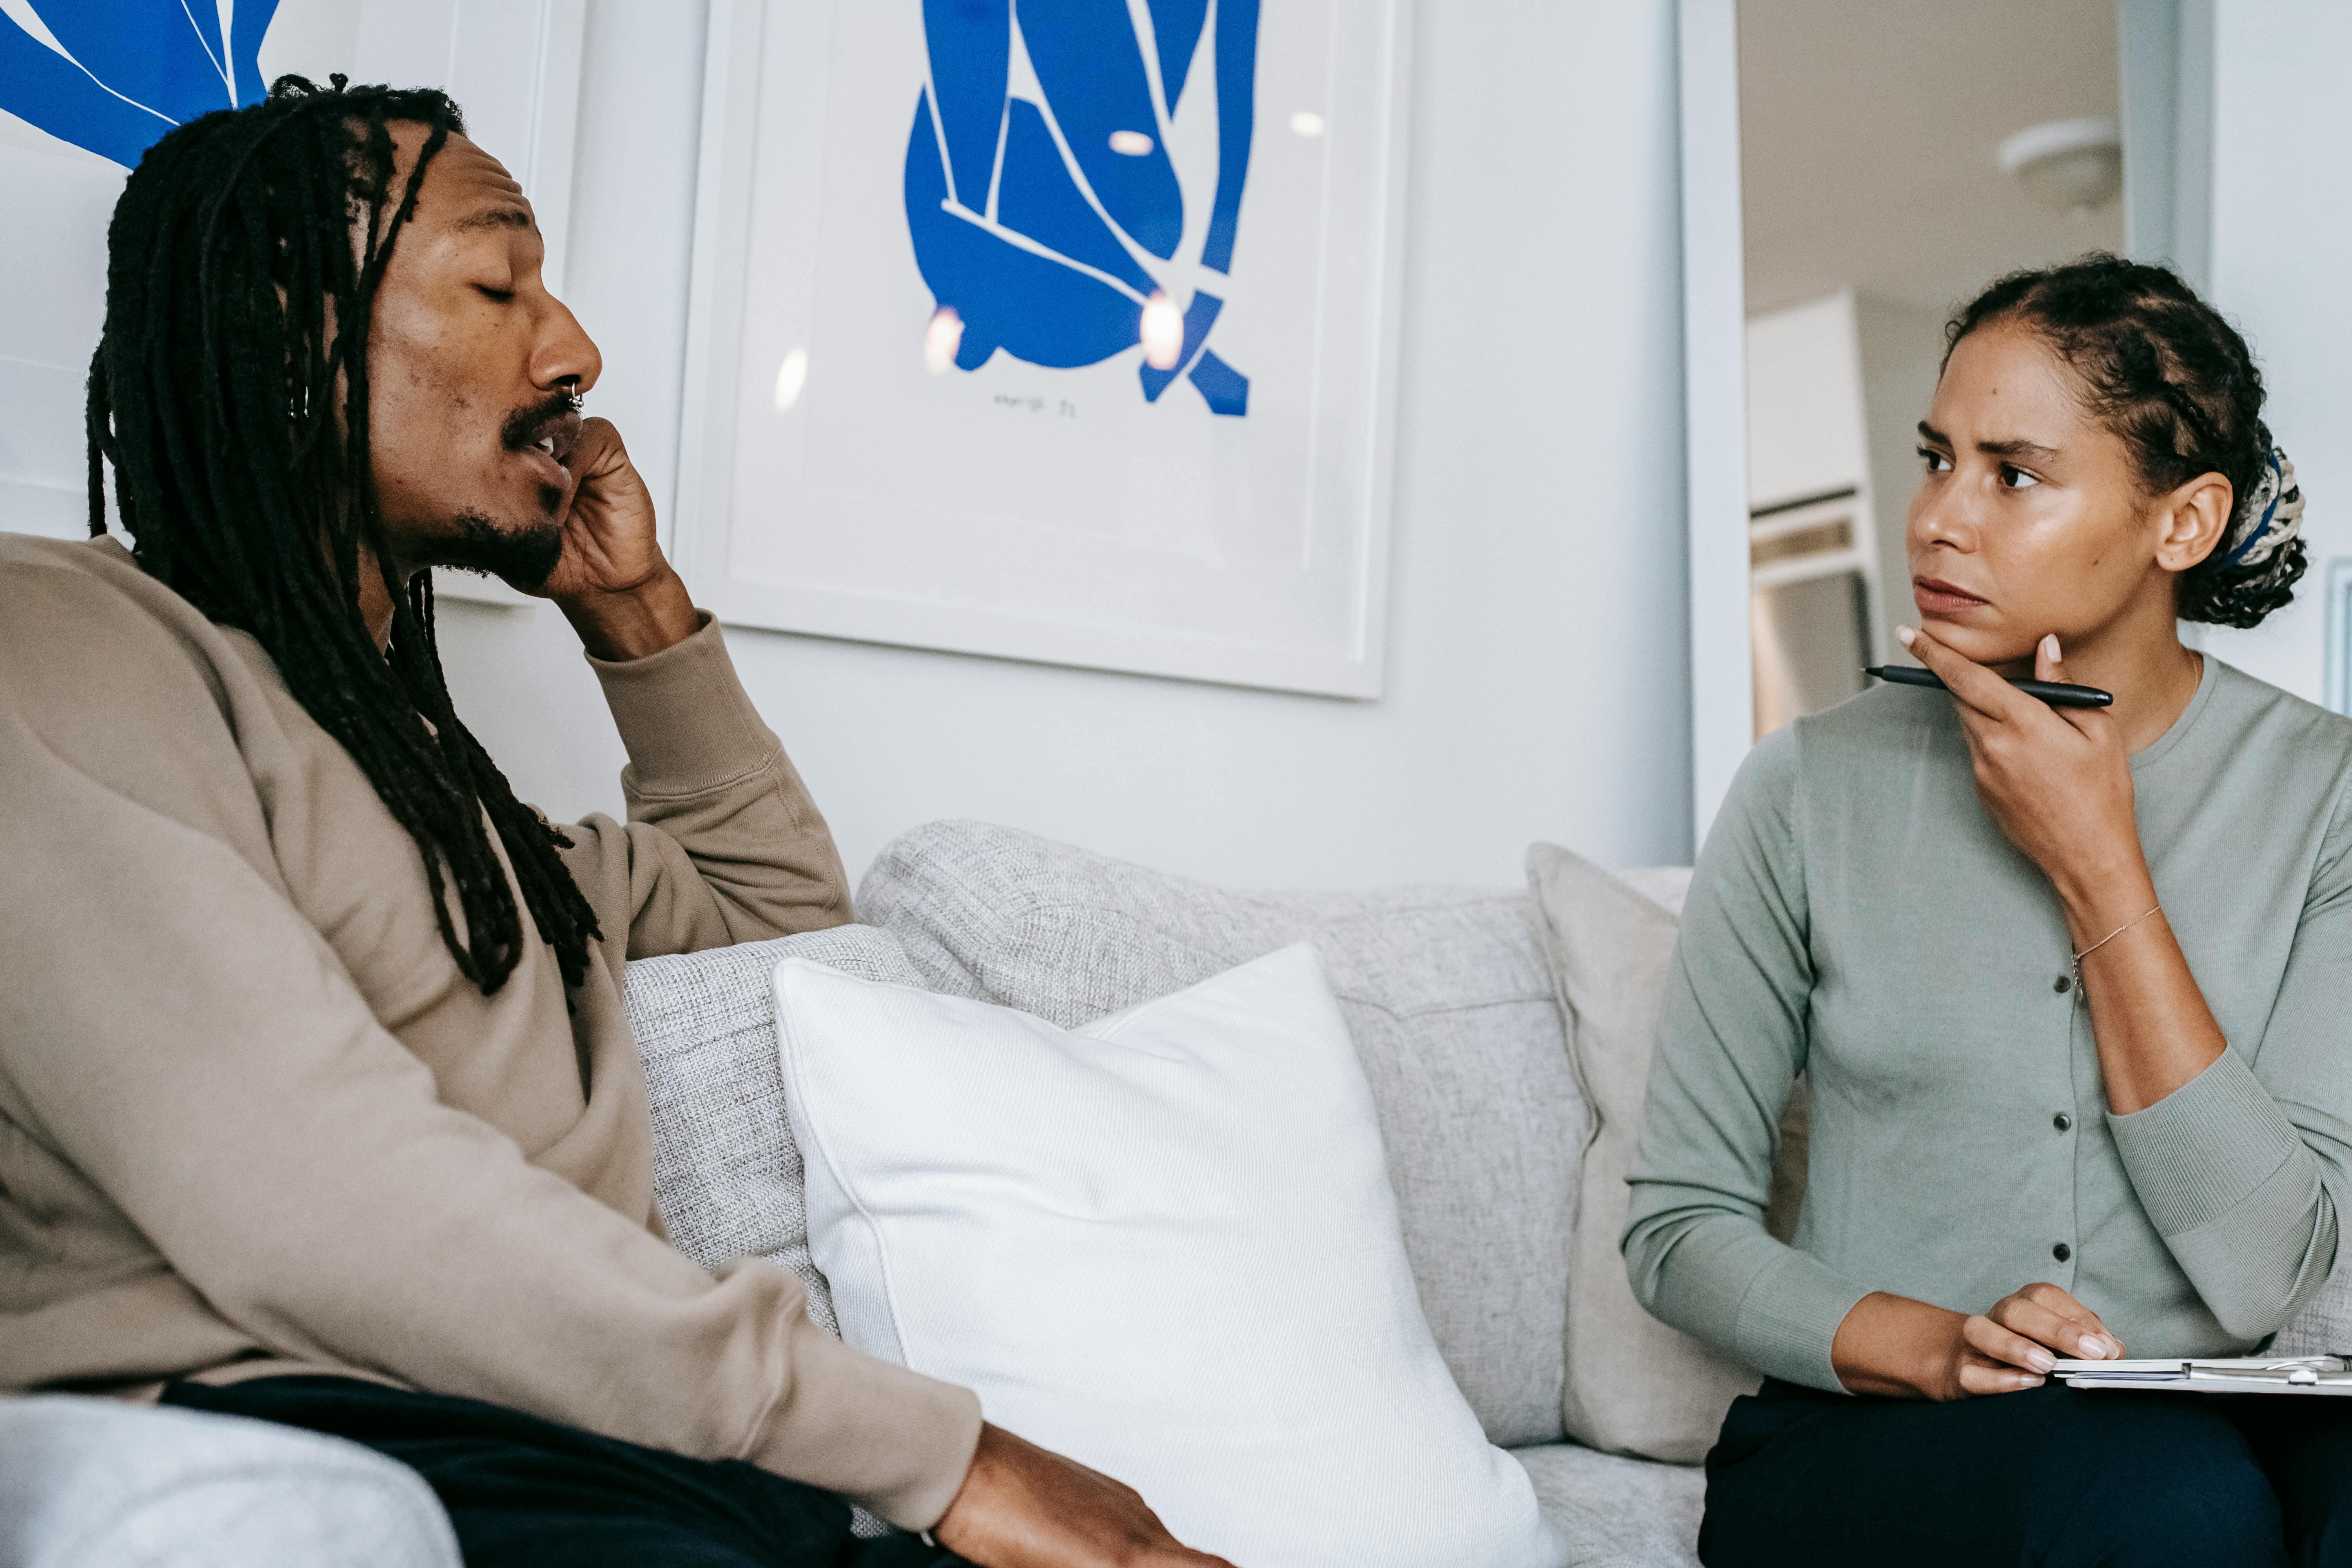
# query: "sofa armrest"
98,1483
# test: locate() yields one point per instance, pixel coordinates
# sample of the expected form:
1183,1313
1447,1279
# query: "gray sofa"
1448,998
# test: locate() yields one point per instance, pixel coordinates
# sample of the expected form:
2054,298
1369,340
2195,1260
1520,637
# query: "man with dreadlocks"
317,1103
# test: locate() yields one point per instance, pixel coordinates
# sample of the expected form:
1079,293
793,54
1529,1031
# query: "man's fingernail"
1906,636
2040,1359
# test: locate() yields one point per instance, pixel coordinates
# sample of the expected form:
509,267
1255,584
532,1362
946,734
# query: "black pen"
2057,693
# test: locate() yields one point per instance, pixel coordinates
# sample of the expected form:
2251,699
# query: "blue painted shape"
154,52
971,44
165,57
1091,67
247,26
1036,196
1225,389
41,87
1199,317
1030,279
1035,308
1236,119
1176,34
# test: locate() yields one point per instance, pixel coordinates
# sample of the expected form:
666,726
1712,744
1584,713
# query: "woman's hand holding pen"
2057,781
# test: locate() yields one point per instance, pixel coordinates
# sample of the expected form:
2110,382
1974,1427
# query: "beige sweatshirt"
253,1120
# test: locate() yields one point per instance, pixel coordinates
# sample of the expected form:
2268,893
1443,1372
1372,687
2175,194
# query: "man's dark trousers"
523,1492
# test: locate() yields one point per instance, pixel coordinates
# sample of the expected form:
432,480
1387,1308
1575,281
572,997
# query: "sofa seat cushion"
1448,1002
1616,1513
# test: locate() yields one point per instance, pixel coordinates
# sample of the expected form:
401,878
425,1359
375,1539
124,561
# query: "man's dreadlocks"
242,267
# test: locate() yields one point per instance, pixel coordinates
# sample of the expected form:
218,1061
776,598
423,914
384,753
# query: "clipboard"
2320,1374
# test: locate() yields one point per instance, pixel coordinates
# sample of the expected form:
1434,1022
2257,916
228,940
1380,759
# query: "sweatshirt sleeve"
1732,1041
2243,1168
723,844
197,1050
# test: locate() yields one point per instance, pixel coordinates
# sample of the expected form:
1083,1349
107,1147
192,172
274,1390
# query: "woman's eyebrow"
2031,451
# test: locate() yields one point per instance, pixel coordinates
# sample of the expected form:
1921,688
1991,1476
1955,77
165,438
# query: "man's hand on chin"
1025,1506
613,582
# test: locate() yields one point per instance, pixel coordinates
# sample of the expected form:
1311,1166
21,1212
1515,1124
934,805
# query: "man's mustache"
557,415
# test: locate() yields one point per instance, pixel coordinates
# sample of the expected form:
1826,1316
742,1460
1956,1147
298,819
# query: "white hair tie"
2267,521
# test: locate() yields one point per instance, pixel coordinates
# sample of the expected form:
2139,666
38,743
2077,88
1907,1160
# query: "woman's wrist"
1899,1348
2101,895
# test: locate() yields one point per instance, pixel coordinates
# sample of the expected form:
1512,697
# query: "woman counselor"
2072,991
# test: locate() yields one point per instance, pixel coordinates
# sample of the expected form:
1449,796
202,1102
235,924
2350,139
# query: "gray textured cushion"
92,1483
1618,1512
2323,1327
1447,999
1633,1384
726,1171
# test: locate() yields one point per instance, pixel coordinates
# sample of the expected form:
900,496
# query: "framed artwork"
2338,688
86,85
1053,329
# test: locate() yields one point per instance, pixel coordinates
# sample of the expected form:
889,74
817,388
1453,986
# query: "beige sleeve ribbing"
723,844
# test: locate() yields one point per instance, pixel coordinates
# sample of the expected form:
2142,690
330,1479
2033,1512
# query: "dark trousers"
523,1492
2048,1477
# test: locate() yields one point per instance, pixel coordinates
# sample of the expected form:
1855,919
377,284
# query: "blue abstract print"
111,75
1045,207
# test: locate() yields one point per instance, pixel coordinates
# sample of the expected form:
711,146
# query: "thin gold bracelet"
2108,938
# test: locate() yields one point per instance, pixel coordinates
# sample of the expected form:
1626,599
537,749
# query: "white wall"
1537,684
2281,235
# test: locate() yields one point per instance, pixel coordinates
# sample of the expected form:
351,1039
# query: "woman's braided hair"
2165,373
242,266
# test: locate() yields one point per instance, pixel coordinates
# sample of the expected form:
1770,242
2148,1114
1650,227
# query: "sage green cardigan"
1857,917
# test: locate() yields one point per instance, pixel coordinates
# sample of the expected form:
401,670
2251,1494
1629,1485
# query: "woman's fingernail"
2027,1380
2040,1359
2097,1347
1906,636
2050,647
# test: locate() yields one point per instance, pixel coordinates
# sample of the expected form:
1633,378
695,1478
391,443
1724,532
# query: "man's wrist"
633,623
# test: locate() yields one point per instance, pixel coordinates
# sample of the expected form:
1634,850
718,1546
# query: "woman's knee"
2176,1488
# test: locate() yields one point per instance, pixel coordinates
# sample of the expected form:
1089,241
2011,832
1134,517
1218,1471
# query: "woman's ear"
2194,518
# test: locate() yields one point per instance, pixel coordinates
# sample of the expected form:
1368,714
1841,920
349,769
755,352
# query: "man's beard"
523,557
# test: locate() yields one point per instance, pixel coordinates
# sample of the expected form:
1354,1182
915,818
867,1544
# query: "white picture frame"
1014,509
2337,691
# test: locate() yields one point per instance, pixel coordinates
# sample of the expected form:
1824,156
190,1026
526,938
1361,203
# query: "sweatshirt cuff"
898,1443
1789,1317
683,716
2206,1148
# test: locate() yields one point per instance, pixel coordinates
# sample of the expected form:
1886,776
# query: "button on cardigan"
1857,917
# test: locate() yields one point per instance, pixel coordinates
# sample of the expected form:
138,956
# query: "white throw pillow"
1164,1244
